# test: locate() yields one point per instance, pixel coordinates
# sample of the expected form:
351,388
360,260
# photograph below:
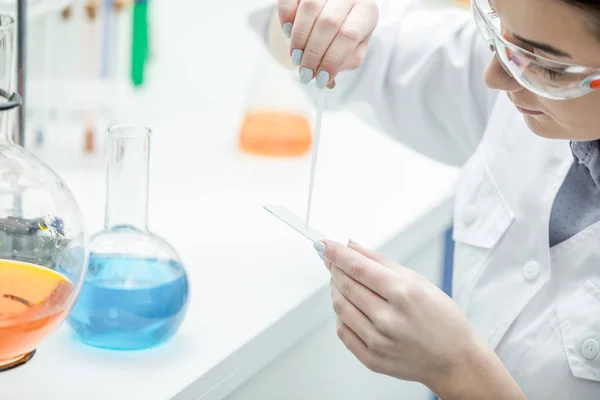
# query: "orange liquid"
275,133
33,302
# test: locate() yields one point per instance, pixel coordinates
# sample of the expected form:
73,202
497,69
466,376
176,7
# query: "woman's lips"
527,111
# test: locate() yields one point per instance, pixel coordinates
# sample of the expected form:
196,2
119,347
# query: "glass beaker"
43,254
136,292
277,119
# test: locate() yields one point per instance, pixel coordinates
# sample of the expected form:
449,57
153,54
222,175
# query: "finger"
324,31
331,85
356,346
380,258
357,58
351,315
306,16
364,299
357,26
287,14
365,271
371,254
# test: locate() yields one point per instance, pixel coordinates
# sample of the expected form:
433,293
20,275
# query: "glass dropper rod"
315,153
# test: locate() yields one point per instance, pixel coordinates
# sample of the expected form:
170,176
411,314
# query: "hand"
394,320
327,36
399,324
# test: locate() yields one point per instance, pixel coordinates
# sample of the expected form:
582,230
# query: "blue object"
448,268
448,264
130,303
136,291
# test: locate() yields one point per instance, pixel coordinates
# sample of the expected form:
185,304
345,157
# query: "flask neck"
9,101
127,156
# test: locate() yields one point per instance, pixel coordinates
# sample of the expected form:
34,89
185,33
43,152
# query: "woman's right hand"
327,36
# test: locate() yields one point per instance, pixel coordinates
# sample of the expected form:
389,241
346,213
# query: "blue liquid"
130,303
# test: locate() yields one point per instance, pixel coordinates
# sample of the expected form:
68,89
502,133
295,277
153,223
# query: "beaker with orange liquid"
278,117
43,252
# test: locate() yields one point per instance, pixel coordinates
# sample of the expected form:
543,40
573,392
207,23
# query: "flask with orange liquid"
43,253
277,119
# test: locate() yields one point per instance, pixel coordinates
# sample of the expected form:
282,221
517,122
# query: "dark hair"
585,5
588,6
594,4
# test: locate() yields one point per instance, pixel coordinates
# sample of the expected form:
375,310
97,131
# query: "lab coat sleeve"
423,80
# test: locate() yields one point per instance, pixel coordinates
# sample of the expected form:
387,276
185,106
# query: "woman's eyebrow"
546,48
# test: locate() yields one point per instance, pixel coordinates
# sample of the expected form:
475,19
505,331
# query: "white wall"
320,367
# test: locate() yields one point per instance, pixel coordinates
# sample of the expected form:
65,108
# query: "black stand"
21,61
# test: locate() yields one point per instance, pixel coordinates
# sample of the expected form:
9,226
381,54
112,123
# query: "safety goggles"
545,77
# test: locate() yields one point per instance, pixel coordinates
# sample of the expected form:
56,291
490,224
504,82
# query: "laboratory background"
145,147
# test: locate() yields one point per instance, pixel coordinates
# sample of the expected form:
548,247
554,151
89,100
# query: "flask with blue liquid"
135,292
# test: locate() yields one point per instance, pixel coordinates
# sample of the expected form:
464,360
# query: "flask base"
130,303
122,344
6,365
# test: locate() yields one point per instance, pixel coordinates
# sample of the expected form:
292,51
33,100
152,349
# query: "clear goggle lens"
542,76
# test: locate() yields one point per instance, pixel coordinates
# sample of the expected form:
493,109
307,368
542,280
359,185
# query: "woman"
526,322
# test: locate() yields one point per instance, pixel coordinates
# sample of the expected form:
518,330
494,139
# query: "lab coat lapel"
522,174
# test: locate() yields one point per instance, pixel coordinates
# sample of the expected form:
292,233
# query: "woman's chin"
544,126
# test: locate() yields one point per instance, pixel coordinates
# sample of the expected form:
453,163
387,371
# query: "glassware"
277,119
43,253
136,290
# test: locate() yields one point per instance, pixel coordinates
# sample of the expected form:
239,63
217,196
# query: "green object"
139,45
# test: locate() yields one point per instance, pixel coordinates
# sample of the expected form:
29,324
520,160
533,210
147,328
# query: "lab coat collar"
588,154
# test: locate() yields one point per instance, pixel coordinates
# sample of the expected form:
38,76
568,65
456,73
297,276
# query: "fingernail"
296,56
306,75
320,248
322,79
287,29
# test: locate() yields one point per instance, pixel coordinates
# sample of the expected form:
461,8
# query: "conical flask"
136,290
278,117
43,255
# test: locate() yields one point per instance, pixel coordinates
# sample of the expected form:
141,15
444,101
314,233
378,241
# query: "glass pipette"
315,152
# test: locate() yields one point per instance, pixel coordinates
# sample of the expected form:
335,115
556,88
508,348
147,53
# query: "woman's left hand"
394,320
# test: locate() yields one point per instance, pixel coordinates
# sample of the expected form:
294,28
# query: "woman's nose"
497,78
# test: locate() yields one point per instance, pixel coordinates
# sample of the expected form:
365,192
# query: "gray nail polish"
322,79
306,75
297,56
320,248
287,29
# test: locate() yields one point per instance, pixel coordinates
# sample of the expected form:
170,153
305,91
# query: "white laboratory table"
257,287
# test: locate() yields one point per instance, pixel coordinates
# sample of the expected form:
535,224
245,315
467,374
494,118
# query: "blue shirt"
577,204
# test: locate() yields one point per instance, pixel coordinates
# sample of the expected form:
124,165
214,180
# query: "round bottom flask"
43,255
135,293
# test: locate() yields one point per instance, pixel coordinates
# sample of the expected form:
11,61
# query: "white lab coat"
539,308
